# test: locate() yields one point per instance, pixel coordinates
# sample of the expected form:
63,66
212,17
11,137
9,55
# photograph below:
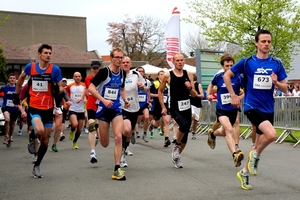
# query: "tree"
237,21
3,67
141,38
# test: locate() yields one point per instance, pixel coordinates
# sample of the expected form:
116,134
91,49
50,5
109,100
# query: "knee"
118,139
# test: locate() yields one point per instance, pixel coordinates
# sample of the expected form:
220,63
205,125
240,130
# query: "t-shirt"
258,83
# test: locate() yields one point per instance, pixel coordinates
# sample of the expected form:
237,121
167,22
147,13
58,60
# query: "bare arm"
235,99
193,92
161,88
20,82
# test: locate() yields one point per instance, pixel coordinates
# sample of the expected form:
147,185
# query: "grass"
279,131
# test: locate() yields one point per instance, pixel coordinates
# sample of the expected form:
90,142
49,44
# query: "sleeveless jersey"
8,98
40,94
179,94
75,92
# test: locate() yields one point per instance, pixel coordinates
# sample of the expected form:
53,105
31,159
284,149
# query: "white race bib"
111,94
262,82
142,98
165,99
9,103
225,98
76,96
184,105
39,86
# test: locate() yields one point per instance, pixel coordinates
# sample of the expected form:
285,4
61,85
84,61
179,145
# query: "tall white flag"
172,36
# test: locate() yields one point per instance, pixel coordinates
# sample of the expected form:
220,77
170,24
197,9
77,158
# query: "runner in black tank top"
181,87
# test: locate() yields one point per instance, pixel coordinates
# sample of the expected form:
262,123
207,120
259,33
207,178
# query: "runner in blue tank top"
108,87
226,113
261,72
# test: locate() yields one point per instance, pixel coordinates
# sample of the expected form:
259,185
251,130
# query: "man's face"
64,83
264,43
45,55
77,77
95,69
227,65
117,58
12,80
161,75
178,61
126,64
141,71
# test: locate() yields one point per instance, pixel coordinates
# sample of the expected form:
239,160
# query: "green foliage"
3,67
237,21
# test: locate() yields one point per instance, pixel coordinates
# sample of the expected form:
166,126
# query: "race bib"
76,96
111,94
165,99
39,86
9,103
184,105
262,82
225,98
142,98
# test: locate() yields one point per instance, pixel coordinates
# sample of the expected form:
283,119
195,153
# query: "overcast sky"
100,12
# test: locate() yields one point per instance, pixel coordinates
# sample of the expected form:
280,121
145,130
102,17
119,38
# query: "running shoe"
211,142
5,139
62,137
177,163
133,141
244,179
93,158
237,148
75,145
145,138
137,135
8,143
167,143
54,148
237,158
36,172
160,132
31,145
193,136
123,162
85,130
151,130
71,135
253,163
175,152
19,133
119,175
128,152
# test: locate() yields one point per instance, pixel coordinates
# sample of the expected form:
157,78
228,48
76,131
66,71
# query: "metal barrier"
286,117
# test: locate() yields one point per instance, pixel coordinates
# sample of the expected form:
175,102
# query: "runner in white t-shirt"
133,81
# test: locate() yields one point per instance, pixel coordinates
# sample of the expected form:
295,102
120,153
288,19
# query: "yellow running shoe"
75,145
119,175
244,180
71,135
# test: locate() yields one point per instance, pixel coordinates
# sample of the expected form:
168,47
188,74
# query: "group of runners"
116,96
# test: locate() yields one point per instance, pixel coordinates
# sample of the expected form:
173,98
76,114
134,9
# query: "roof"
62,55
12,54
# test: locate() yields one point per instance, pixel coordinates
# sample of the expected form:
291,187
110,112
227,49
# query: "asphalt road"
207,174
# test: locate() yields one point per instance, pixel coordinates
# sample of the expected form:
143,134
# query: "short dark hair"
95,63
11,74
137,69
44,46
261,31
226,57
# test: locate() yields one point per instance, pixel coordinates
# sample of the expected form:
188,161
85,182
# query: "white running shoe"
128,152
123,162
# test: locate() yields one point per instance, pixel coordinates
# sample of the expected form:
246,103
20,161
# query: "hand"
188,84
108,103
126,104
78,100
164,111
236,101
16,99
274,78
140,85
